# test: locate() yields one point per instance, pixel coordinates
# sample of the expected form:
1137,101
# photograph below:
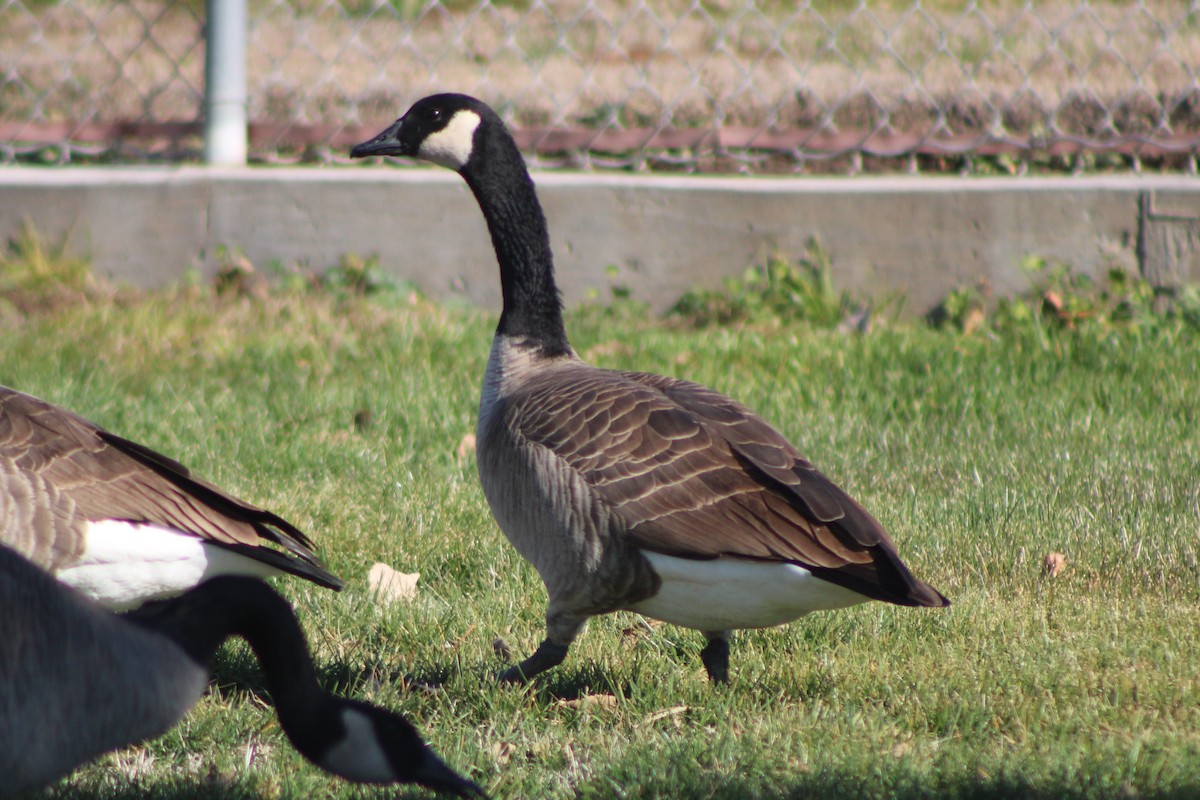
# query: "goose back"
59,472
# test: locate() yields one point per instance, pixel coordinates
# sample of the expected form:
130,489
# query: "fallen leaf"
391,585
1053,564
606,702
501,752
673,711
640,629
466,446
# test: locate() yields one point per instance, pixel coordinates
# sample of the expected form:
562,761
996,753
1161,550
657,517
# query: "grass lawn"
982,454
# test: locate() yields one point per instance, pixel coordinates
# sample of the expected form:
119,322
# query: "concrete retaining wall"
655,235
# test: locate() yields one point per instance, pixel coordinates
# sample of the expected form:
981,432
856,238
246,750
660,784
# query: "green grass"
981,453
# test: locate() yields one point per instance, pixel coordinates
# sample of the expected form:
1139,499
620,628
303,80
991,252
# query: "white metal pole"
225,130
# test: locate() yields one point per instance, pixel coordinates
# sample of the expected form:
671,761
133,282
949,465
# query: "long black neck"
200,620
501,183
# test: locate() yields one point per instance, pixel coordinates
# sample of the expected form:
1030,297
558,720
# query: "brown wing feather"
37,520
690,472
103,476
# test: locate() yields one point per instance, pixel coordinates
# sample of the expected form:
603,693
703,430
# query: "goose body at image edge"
123,523
77,681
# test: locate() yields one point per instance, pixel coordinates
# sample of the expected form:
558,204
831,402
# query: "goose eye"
433,114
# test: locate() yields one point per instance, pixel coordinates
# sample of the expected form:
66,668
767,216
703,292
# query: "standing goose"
628,490
77,681
122,523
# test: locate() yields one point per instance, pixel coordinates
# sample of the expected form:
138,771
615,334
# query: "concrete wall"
920,236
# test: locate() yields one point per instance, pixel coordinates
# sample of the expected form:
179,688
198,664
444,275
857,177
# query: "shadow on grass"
881,784
197,790
236,671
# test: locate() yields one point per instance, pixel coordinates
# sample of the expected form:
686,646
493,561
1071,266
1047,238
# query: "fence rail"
680,84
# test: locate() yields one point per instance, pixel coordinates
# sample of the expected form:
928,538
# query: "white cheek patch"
451,146
359,756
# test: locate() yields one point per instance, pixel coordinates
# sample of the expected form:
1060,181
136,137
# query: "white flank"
126,564
731,593
451,146
358,756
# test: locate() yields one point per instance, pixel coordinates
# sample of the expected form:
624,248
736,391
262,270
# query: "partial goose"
122,523
628,490
77,681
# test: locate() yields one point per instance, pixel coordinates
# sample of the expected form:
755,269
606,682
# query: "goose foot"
548,655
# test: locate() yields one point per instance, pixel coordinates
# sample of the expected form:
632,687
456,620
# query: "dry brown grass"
997,66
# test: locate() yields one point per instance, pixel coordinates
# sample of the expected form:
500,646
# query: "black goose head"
350,738
368,744
442,128
466,135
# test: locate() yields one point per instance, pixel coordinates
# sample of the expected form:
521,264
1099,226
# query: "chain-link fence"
686,84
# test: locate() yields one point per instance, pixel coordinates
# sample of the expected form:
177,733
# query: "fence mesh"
685,84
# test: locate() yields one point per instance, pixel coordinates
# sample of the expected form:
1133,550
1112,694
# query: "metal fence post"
225,129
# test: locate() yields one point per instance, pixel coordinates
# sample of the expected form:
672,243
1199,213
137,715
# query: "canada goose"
628,490
77,681
122,523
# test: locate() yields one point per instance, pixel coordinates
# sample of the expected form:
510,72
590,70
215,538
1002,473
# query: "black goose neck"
506,195
200,620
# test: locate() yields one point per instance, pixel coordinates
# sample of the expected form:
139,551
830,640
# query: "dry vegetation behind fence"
628,82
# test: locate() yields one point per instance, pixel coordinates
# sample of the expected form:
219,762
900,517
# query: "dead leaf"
665,713
641,628
1053,564
390,585
604,702
466,446
501,752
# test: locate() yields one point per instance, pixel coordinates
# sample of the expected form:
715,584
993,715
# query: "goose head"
442,128
467,136
350,738
369,744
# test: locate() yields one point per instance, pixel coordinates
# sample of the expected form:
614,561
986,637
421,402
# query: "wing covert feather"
690,472
93,474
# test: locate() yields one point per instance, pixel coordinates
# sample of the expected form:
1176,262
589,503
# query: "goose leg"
715,656
561,629
548,655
